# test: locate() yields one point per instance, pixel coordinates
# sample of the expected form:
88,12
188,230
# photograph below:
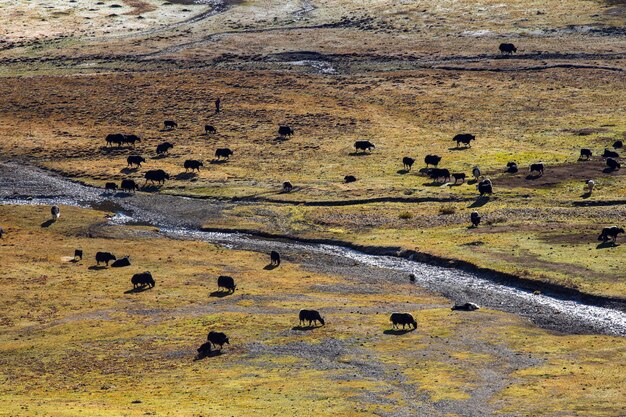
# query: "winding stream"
181,218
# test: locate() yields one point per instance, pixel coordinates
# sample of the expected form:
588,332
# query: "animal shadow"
280,139
397,332
605,245
531,177
186,176
480,201
459,148
150,188
402,171
97,267
48,223
472,182
359,153
161,156
128,170
211,354
218,161
586,195
136,290
270,267
608,170
454,184
433,184
304,328
220,294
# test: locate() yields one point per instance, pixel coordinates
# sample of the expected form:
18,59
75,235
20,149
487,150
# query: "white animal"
589,184
56,212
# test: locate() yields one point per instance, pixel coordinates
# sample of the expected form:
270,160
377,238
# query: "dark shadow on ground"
605,245
186,176
398,332
270,267
459,148
531,177
304,328
129,170
137,290
480,201
48,223
403,171
218,161
97,267
586,195
220,294
211,354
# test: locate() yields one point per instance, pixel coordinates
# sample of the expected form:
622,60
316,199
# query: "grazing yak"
364,145
170,124
349,178
217,339
55,212
131,139
507,48
485,187
105,257
464,138
437,174
310,316
226,282
538,168
589,186
610,233
163,148
618,144
274,258
511,167
129,185
115,138
209,129
135,160
192,164
408,163
287,187
458,176
223,153
404,319
285,131
613,164
476,173
142,280
465,307
156,175
110,186
78,254
432,160
121,262
585,154
609,154
475,218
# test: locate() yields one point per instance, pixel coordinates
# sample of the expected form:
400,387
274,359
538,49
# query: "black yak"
209,129
408,163
223,153
511,167
156,175
507,48
163,148
110,186
538,168
192,164
135,160
129,185
432,160
458,176
310,316
610,233
404,319
170,124
485,187
105,257
349,178
363,145
287,187
613,164
465,307
224,281
115,138
274,258
475,218
585,154
285,131
55,212
464,138
609,154
217,339
142,280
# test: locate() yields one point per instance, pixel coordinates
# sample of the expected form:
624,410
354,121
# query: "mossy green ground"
73,342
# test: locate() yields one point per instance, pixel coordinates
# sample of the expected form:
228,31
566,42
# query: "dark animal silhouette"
135,160
458,176
465,307
464,138
129,185
78,254
156,175
412,277
274,258
538,168
285,131
142,280
204,349
404,319
511,167
218,103
432,160
610,233
485,187
163,148
585,154
193,164
105,257
476,173
2,232
223,153
363,145
287,187
475,218
170,124
507,48
209,129
115,138
609,154
55,212
437,174
110,186
131,139
618,144
310,316
218,339
121,262
408,163
224,281
612,164
349,178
